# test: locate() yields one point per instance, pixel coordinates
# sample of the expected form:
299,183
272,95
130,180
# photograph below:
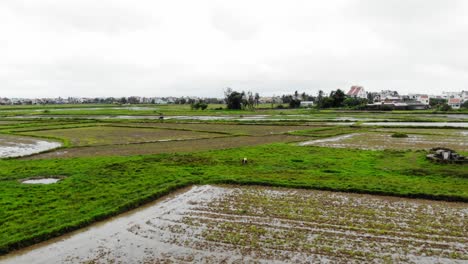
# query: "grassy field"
110,166
97,187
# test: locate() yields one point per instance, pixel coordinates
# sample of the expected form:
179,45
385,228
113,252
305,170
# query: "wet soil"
381,141
168,147
225,224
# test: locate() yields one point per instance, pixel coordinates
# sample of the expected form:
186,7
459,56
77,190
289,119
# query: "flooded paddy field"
381,141
245,129
315,117
223,224
425,131
169,146
417,124
55,109
17,146
106,135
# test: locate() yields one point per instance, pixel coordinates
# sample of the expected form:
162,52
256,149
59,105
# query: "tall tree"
338,97
233,99
320,99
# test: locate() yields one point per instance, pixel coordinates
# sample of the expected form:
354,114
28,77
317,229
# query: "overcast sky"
52,48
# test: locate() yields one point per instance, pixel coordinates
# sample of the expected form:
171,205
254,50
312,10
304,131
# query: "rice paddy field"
381,141
229,224
98,135
319,186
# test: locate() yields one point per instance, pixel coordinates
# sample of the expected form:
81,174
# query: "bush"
444,107
199,105
400,135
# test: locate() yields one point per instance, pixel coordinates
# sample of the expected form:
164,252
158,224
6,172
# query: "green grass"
98,187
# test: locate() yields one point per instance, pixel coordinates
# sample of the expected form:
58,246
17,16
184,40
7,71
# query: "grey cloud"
233,24
120,47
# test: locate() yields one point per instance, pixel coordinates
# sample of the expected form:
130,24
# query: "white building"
357,92
455,103
307,103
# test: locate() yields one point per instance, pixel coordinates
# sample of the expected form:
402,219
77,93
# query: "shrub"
400,135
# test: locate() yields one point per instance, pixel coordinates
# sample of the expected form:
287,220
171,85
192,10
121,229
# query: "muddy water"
212,224
17,146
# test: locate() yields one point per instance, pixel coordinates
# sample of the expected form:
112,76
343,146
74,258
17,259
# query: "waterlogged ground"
213,224
17,146
379,141
418,124
99,135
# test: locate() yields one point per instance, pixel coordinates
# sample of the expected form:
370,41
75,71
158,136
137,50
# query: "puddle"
17,146
41,181
216,224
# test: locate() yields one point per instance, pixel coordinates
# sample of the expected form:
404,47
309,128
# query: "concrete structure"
445,155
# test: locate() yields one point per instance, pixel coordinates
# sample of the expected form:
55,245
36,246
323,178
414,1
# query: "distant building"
464,96
455,103
420,98
357,92
448,95
423,99
307,103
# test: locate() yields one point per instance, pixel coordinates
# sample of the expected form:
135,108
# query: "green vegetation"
97,187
